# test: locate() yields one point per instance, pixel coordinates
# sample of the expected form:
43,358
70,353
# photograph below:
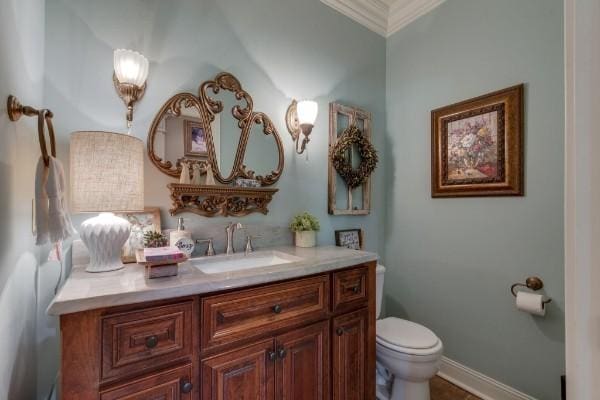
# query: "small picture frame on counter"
141,223
349,238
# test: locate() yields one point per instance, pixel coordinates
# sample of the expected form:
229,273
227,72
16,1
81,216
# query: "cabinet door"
175,384
303,364
242,374
349,341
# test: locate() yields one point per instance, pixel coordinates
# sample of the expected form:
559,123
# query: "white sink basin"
239,262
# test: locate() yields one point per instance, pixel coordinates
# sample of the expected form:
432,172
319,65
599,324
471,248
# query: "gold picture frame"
194,136
477,146
141,222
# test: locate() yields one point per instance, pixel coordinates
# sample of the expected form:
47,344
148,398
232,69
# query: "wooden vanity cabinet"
302,371
349,356
293,366
311,338
244,373
170,385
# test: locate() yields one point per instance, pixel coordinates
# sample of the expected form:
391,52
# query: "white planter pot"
306,239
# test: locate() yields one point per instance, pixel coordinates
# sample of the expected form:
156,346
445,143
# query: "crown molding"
383,17
402,13
372,14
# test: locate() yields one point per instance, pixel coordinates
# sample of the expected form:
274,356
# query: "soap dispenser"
180,233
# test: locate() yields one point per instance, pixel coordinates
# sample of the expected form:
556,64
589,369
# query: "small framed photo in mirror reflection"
194,139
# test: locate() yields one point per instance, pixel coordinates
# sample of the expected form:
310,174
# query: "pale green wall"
278,49
451,261
21,73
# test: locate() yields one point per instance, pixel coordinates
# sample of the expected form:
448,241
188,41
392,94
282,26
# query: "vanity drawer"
146,338
230,317
350,288
175,384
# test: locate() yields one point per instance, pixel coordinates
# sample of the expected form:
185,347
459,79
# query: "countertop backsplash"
263,235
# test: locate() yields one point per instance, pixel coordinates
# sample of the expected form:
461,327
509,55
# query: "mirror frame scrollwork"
208,107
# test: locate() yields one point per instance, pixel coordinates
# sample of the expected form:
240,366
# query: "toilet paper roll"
531,303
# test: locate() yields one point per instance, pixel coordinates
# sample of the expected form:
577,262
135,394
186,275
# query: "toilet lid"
407,334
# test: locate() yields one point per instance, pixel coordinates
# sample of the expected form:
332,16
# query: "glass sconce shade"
131,71
300,119
307,112
130,67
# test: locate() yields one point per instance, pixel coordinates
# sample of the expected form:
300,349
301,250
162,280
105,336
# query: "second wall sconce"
131,71
300,119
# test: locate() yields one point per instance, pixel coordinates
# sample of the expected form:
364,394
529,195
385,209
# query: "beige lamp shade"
107,172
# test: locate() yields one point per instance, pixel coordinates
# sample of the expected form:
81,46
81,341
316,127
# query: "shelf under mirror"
213,200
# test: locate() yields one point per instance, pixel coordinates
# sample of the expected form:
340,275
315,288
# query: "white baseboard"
478,384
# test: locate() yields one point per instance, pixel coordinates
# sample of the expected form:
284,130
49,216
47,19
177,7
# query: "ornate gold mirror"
219,133
177,134
223,94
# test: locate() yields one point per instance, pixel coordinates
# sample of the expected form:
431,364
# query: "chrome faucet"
230,230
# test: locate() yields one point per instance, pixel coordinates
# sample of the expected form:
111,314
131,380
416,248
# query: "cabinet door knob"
186,386
277,308
355,289
272,356
151,341
281,353
339,331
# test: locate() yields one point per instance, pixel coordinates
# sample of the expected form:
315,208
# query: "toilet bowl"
408,355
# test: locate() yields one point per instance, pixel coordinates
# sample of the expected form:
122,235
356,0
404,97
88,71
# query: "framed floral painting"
477,146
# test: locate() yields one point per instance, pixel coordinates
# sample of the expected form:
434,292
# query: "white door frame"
582,198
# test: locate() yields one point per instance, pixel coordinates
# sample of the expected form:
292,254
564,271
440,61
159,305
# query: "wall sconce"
131,71
300,118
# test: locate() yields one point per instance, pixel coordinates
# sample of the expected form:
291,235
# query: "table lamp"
107,176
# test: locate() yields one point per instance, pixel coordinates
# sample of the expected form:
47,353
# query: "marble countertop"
87,291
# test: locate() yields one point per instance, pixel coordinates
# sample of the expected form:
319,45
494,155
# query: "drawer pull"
272,356
186,386
355,289
339,331
151,341
281,353
277,309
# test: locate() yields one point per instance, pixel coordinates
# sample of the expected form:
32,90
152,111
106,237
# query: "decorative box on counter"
160,262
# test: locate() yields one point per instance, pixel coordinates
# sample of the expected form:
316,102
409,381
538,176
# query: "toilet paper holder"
533,282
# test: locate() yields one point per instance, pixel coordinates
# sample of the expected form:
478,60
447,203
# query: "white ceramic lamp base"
104,237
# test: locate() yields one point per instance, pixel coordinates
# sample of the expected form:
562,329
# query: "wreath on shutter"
354,177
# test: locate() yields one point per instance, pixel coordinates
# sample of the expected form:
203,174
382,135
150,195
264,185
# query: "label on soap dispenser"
186,245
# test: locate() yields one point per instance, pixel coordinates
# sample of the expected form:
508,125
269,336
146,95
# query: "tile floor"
444,390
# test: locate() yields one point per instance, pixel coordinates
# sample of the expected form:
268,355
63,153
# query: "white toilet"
408,355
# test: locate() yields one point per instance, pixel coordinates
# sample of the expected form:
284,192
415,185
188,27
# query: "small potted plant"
305,226
154,239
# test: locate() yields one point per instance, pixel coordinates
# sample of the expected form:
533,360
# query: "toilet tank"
380,271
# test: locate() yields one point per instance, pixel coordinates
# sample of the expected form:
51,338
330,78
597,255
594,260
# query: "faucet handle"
249,246
234,225
210,250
